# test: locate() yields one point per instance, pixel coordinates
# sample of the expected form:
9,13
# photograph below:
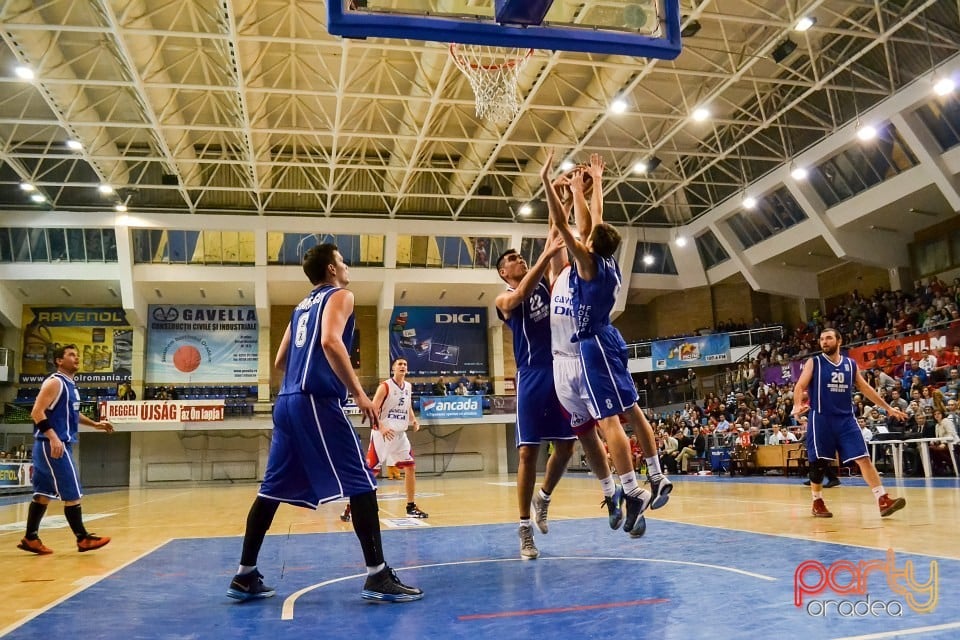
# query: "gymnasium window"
358,250
711,251
861,166
662,259
942,117
448,252
57,245
176,246
774,213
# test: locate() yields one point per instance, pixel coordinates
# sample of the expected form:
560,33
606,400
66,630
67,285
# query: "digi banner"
890,355
440,340
103,337
696,351
202,344
451,407
154,411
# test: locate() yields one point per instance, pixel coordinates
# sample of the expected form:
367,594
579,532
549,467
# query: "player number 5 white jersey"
395,410
563,324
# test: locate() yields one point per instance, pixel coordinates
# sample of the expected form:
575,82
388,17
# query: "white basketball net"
493,73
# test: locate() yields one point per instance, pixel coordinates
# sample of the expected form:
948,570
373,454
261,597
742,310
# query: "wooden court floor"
139,521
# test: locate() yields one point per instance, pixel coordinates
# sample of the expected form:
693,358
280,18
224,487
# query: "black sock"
411,505
366,524
258,522
74,517
34,515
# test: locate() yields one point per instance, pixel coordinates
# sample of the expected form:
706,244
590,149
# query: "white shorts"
569,383
395,452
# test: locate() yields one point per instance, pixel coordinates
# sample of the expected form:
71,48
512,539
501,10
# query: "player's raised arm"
581,254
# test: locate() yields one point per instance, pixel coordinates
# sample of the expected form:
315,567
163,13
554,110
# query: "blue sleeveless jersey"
530,324
593,300
64,414
308,370
831,387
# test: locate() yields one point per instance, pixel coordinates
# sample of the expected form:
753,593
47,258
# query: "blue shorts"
315,454
55,477
539,414
828,436
610,387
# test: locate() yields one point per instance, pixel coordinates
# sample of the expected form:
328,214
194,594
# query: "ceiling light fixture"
681,241
944,86
749,202
567,165
799,173
73,144
647,165
804,23
647,259
691,29
105,189
525,210
618,106
866,133
38,197
121,208
24,72
783,50
26,186
700,114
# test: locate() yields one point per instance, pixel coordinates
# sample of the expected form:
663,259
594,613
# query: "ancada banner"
202,343
158,411
891,354
451,407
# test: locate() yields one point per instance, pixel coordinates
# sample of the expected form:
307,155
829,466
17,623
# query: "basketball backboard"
639,28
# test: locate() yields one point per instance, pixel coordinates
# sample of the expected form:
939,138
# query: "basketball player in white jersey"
389,440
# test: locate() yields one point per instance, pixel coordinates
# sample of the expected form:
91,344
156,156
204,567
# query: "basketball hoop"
493,73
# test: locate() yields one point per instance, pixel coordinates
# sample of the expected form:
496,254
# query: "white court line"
288,604
904,632
85,583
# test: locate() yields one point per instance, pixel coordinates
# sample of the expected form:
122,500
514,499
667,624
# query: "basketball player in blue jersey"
525,308
315,455
595,282
56,424
827,380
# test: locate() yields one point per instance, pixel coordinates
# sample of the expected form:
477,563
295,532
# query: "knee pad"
817,471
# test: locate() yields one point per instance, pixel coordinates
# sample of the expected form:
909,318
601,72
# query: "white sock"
608,486
525,522
629,483
653,466
544,496
244,569
878,492
377,569
817,495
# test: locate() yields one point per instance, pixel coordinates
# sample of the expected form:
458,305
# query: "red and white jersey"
563,324
395,410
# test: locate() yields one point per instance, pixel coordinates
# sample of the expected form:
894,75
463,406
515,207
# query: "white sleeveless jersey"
395,410
563,325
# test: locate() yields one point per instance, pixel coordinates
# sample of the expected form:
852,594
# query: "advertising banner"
12,474
202,344
695,351
890,355
103,337
503,405
157,411
783,374
440,340
451,407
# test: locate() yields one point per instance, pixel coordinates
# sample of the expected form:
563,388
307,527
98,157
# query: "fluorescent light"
120,207
681,241
640,166
798,173
944,86
700,114
105,189
749,202
618,106
866,133
804,23
73,144
26,186
526,210
24,72
38,197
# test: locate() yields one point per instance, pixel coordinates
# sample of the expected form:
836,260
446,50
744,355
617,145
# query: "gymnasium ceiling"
243,107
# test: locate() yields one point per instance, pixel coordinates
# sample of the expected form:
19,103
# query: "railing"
744,338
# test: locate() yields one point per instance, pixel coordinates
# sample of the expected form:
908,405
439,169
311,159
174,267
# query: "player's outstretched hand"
899,414
547,166
368,410
596,166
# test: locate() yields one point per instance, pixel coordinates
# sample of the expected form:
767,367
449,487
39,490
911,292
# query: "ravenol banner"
102,335
202,344
697,351
440,340
451,407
